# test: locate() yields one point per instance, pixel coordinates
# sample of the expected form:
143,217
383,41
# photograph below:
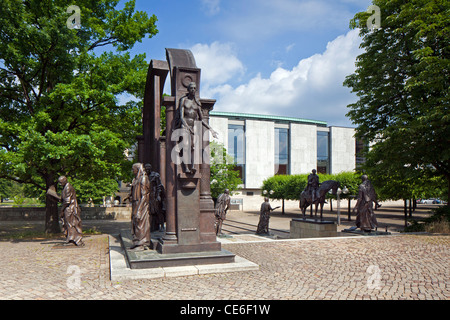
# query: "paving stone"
409,267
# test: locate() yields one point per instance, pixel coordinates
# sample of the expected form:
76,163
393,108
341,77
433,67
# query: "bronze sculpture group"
148,209
315,193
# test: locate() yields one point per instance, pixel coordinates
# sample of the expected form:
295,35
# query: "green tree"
59,92
402,81
223,172
10,189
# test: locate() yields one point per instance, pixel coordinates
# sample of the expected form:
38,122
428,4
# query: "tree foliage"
223,172
402,81
59,90
290,187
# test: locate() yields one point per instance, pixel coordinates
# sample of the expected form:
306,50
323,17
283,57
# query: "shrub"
439,222
291,186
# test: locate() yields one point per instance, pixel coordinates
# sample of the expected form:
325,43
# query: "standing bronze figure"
140,218
222,206
156,198
70,214
312,185
264,216
190,111
365,217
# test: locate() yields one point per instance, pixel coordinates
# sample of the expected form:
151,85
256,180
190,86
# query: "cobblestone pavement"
385,267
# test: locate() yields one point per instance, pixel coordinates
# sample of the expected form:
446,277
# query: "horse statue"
306,198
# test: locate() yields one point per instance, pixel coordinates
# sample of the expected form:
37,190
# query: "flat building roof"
263,117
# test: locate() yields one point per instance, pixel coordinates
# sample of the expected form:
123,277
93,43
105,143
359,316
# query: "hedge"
289,187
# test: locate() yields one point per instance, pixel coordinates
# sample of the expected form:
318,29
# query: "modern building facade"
262,146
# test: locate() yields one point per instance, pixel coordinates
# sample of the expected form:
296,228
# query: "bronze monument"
189,208
315,193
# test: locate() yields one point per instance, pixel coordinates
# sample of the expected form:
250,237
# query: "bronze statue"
312,185
306,198
264,216
222,206
140,219
70,214
365,217
190,111
156,198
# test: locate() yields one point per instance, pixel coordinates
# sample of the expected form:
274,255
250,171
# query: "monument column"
207,219
170,235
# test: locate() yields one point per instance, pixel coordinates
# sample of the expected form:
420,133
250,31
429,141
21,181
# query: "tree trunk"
349,213
410,208
448,191
406,212
51,209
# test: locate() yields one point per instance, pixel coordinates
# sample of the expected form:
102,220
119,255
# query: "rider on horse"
312,186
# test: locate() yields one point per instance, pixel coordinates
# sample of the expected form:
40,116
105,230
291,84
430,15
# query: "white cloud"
312,89
289,47
211,7
218,63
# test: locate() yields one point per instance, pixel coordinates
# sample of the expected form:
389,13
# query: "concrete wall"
87,213
303,148
343,149
220,125
259,152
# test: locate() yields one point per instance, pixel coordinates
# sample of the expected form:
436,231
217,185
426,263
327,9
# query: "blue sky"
278,57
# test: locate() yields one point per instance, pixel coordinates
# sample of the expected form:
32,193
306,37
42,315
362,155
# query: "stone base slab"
309,228
120,268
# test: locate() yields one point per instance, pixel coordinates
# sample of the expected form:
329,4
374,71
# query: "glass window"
360,159
281,151
323,158
236,147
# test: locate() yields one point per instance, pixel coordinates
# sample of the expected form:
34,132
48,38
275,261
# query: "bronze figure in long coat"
222,206
264,216
365,217
140,217
70,213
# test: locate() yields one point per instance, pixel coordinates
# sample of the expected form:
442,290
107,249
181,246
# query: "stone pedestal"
152,258
310,228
